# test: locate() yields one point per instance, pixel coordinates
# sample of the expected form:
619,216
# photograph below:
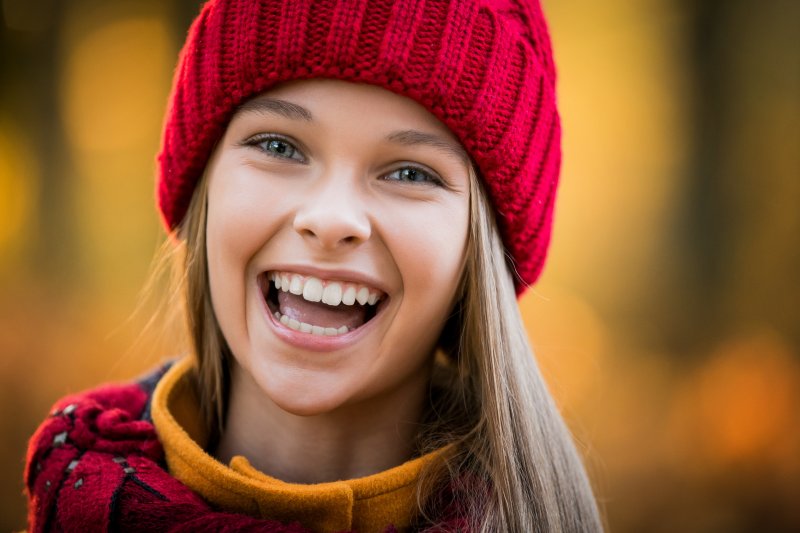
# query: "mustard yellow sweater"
365,504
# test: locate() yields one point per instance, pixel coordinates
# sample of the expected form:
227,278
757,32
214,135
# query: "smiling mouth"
319,307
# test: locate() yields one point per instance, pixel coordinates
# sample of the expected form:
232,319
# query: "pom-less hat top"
482,67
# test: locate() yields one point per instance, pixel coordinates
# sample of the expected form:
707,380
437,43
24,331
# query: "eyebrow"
414,138
274,106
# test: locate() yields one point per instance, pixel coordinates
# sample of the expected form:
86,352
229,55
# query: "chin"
306,395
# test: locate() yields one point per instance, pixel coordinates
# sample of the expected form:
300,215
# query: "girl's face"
336,234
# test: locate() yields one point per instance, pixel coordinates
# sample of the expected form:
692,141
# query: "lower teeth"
308,328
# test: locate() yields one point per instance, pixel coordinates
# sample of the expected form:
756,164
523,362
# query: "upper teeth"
328,292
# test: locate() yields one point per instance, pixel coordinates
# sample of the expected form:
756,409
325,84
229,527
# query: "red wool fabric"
483,67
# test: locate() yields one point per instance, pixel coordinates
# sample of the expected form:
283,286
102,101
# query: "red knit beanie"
483,67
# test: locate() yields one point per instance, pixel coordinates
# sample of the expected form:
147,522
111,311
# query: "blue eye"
275,146
413,175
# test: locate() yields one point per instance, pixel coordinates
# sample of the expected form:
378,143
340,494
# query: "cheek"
227,251
231,230
429,250
237,227
242,215
437,238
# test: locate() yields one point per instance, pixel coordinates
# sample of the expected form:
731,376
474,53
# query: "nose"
332,216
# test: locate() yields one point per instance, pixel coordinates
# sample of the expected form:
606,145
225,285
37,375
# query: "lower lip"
309,341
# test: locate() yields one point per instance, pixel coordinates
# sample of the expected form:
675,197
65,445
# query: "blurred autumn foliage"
667,321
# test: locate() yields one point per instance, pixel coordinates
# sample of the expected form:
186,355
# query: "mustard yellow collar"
365,504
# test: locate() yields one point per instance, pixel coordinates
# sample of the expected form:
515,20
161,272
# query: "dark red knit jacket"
96,464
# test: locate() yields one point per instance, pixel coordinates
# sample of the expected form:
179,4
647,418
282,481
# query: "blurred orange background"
667,321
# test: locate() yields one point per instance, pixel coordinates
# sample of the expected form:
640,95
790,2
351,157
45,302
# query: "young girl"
359,189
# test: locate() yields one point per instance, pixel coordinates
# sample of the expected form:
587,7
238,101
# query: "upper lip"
345,275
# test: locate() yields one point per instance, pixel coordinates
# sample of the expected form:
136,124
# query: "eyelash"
414,170
263,141
405,174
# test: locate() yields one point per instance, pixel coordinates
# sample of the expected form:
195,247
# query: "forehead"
328,96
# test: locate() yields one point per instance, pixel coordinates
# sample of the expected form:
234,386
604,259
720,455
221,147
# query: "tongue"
320,314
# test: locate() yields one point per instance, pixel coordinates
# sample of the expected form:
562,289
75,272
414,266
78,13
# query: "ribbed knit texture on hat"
484,68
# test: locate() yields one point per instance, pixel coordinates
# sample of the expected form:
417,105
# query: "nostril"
332,227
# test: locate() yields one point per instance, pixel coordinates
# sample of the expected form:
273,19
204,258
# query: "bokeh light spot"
112,75
18,185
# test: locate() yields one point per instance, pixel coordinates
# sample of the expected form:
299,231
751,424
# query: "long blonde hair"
491,401
519,442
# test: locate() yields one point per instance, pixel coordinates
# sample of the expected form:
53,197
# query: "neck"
351,441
